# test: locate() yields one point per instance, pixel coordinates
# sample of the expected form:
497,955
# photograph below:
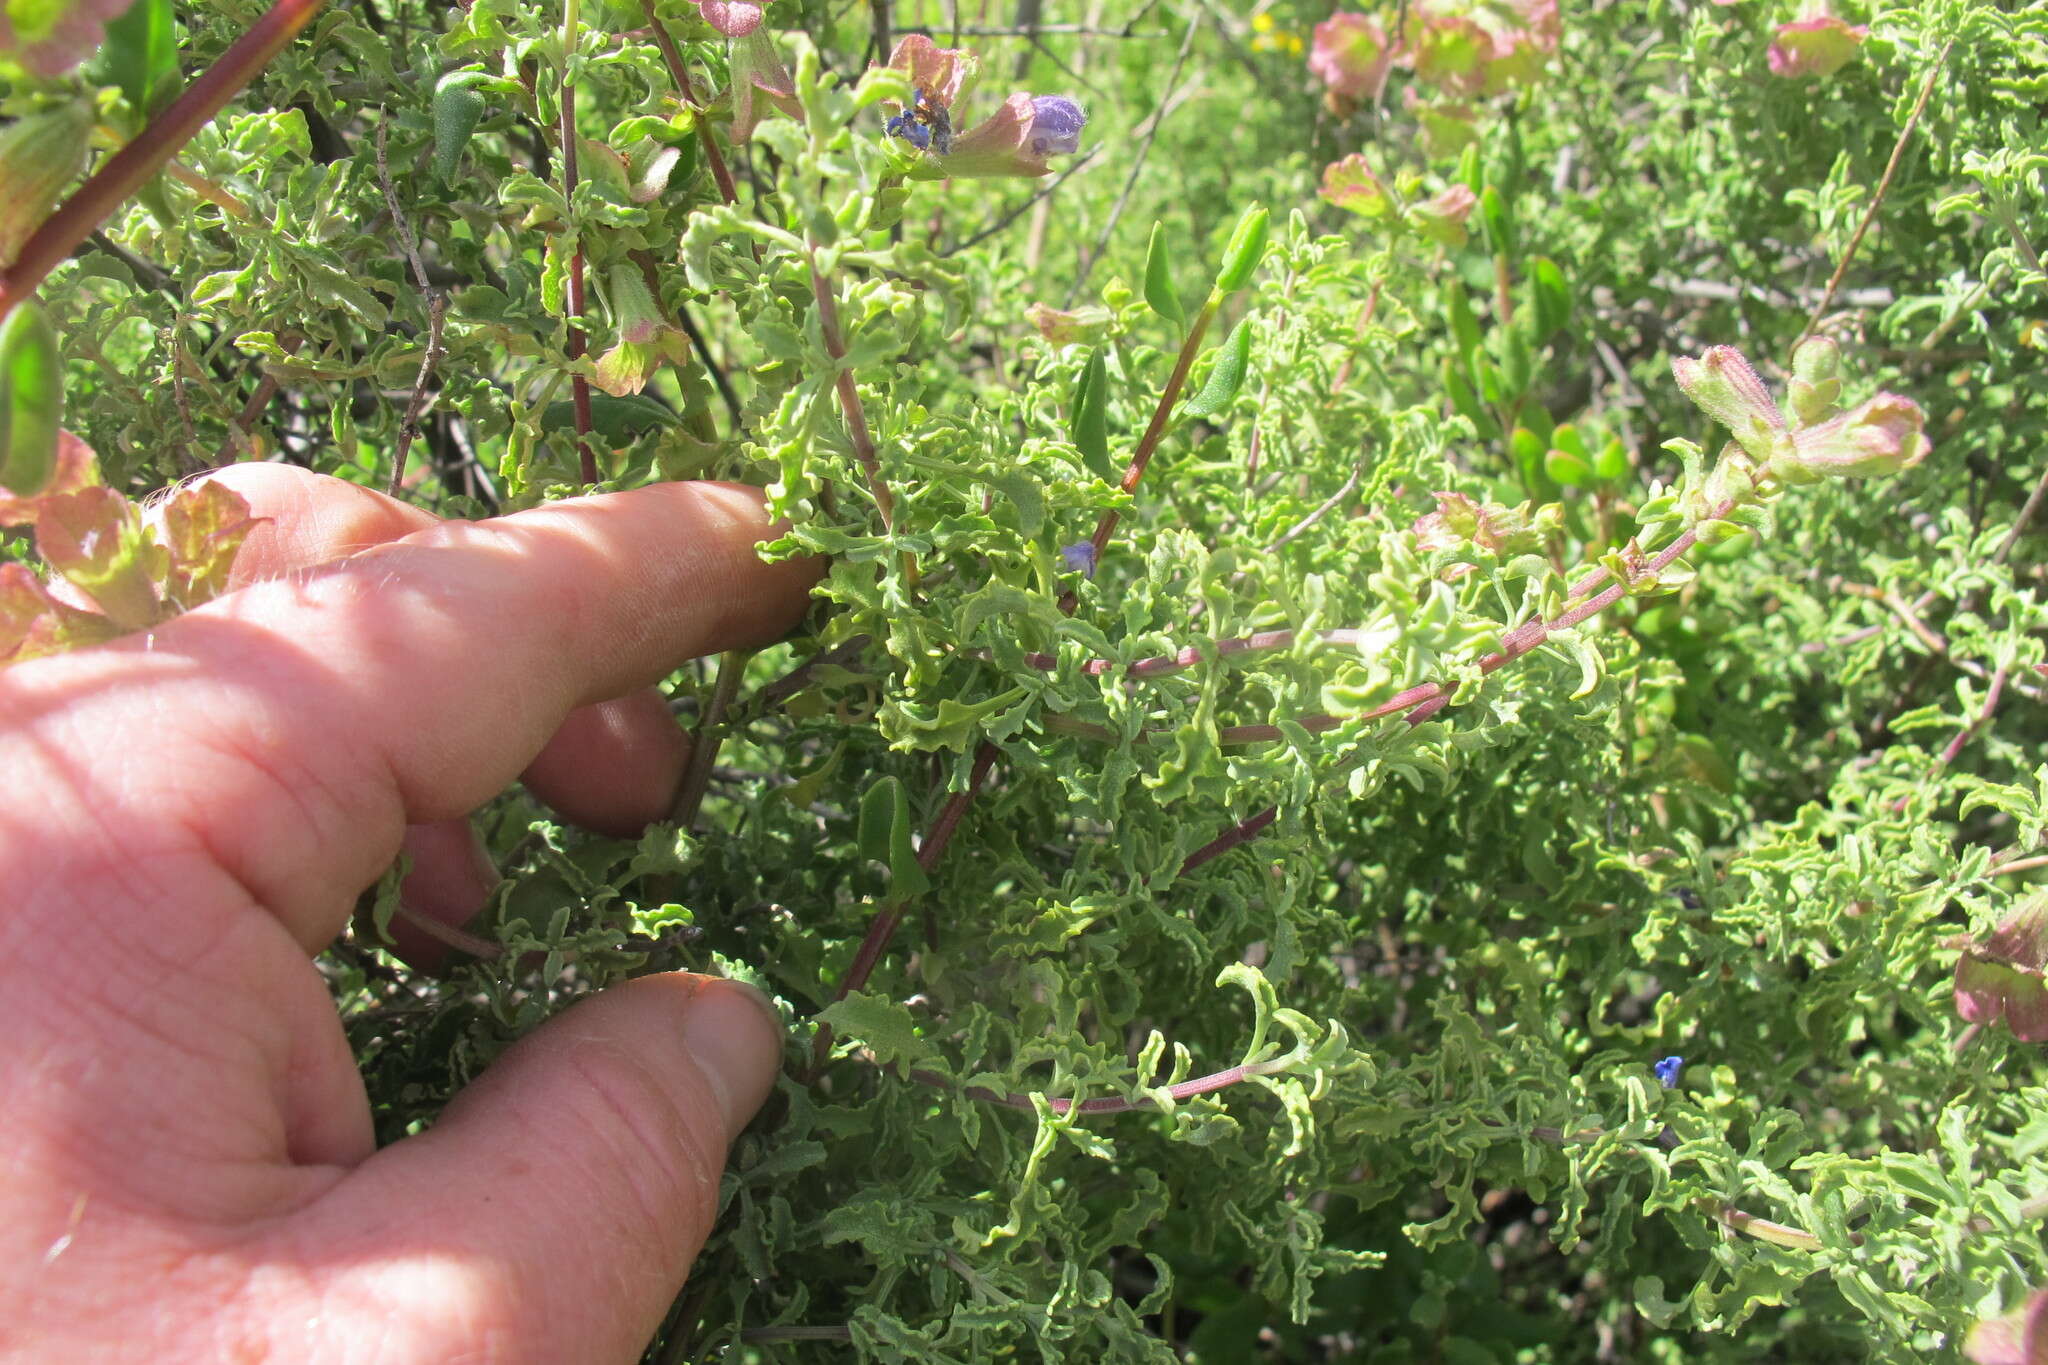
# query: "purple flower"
1667,1071
1056,125
1080,557
1015,140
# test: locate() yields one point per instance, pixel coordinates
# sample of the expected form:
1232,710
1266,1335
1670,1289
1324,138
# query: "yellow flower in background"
1268,36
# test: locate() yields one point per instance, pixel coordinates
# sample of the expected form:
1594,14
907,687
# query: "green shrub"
1231,891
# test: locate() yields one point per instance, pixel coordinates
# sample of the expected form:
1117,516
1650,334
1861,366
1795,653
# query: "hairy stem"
849,397
579,387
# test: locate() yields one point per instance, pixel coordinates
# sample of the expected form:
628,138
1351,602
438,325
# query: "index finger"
295,726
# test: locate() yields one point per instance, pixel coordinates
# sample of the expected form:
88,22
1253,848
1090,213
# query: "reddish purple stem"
1107,1104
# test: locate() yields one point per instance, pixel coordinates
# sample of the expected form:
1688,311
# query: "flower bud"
1724,386
1883,436
40,156
1060,326
1441,218
1816,380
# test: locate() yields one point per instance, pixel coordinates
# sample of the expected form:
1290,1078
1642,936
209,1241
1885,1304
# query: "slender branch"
2019,523
1993,694
207,189
680,74
798,1332
1137,163
1149,442
1014,214
148,274
437,312
1329,505
849,397
689,799
879,13
711,365
798,678
1763,1229
1241,833
1884,184
129,169
483,949
884,925
1106,1104
241,429
1160,665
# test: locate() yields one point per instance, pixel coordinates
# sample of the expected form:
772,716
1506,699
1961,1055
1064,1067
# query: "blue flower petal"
1056,125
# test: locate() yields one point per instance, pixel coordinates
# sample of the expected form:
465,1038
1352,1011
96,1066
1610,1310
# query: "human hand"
191,1173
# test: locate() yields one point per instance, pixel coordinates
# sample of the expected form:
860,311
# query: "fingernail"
735,1037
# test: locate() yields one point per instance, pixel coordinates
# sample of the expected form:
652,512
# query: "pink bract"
733,18
1820,46
1351,55
941,73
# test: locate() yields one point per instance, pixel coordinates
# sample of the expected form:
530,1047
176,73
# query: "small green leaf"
1466,403
1567,469
886,837
1612,461
1494,217
1464,326
1089,427
1517,360
1550,297
31,400
458,108
1226,376
1247,248
1486,377
141,55
1470,171
1528,449
1159,290
617,419
878,817
884,1025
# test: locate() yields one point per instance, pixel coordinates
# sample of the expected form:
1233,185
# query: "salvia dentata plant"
1415,745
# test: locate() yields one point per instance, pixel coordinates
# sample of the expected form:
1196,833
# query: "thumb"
553,1212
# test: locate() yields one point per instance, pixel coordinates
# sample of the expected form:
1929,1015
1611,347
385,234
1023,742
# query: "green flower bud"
1816,380
39,158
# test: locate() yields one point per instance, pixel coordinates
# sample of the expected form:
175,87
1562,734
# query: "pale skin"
190,1172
